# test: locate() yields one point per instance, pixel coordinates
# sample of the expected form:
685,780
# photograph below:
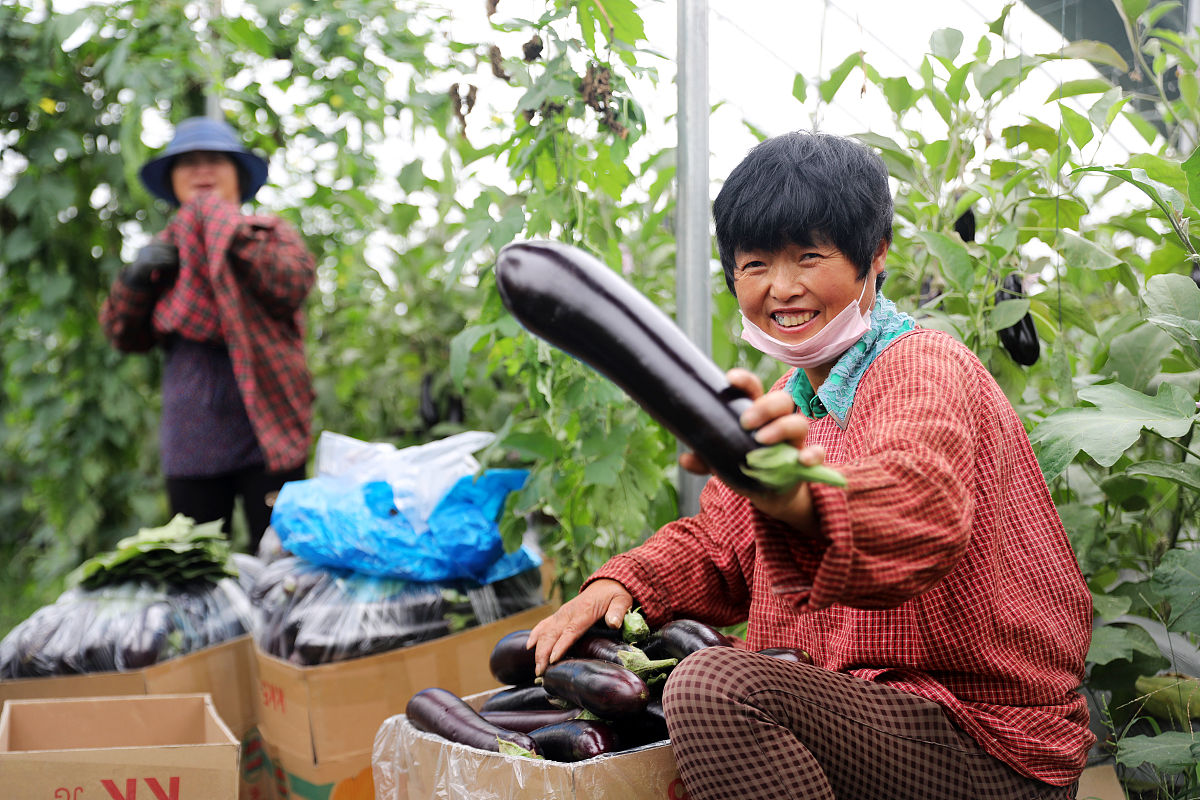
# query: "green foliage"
537,133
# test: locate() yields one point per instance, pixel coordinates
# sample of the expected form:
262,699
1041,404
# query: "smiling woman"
935,588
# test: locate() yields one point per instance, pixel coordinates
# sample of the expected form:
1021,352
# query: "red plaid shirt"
942,570
242,282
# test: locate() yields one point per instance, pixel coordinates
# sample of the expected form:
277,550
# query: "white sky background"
756,47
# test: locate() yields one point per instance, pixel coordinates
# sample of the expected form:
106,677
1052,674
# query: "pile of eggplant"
603,697
123,627
309,614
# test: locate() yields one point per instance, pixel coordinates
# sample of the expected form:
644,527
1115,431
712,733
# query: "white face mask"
838,335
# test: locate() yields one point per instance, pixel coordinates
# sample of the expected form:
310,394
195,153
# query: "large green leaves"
1111,425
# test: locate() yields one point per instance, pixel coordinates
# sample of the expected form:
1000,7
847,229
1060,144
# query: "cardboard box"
224,671
1100,783
170,746
318,723
411,764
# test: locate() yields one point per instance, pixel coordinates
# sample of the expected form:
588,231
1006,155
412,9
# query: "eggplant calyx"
512,749
646,668
634,628
778,467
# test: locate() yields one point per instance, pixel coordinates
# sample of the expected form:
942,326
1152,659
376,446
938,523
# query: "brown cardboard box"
170,746
416,765
225,671
1100,783
318,724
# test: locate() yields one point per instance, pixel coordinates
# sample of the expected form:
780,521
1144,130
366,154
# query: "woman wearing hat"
222,294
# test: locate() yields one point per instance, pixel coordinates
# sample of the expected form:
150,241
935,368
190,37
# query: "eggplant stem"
778,467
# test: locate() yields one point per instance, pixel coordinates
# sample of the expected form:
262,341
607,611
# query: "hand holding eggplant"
603,599
576,303
772,417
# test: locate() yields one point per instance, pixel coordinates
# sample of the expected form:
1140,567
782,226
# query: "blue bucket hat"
204,133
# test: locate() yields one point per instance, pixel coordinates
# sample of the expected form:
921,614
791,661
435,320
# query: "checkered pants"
746,726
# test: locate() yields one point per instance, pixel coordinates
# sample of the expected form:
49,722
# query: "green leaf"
1143,126
1191,170
1082,254
1115,424
1095,52
1172,295
1173,301
1119,643
538,446
1007,313
946,43
511,224
1109,607
952,254
778,467
830,86
1177,580
461,347
1004,74
18,245
1170,752
1166,198
1135,357
1186,474
1038,135
1077,87
1132,9
1079,128
799,88
957,82
899,93
996,26
1059,307
411,177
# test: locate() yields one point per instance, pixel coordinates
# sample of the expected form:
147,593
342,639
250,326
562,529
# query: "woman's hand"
602,599
773,418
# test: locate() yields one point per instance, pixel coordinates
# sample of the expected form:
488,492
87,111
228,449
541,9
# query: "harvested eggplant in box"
603,697
161,593
311,614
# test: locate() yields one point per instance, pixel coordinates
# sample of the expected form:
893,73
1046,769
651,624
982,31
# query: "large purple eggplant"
579,305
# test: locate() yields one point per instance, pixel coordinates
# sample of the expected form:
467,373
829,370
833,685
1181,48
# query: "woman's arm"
270,259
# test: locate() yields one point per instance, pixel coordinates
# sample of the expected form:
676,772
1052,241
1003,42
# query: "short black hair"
805,188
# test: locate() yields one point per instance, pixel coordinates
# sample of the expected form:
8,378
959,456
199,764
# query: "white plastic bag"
419,475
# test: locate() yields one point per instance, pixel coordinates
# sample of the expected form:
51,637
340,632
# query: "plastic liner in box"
408,763
124,627
310,614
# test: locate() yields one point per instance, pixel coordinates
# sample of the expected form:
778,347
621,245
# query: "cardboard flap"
331,712
168,746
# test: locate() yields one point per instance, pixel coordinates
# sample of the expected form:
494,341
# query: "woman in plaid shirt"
937,593
222,294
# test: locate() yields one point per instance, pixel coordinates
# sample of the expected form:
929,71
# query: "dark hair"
805,188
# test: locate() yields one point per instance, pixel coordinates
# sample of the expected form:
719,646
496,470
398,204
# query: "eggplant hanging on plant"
1021,339
579,305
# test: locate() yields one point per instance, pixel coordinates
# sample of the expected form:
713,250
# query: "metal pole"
212,100
693,249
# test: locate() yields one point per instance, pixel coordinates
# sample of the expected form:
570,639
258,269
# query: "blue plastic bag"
340,522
